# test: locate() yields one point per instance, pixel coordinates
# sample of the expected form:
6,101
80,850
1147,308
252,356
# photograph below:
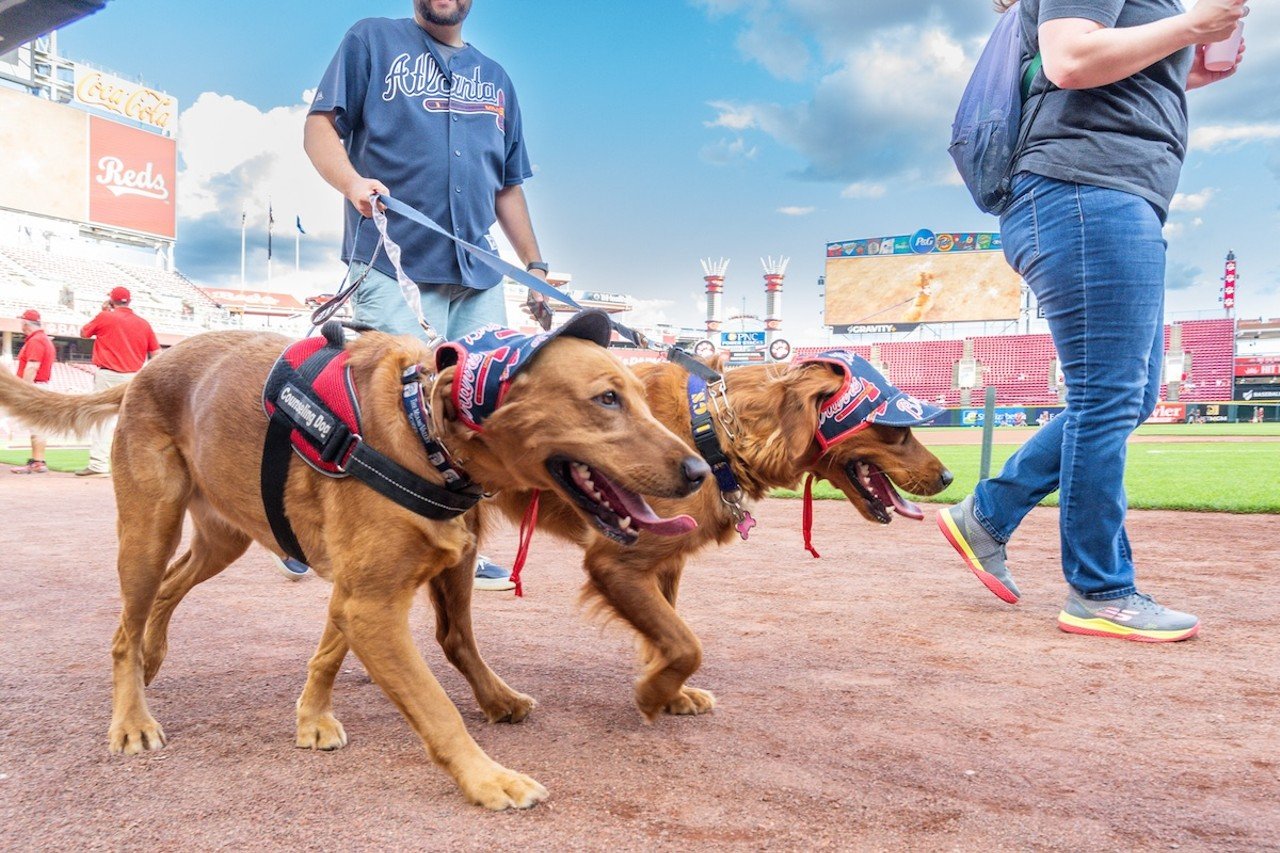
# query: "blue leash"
494,262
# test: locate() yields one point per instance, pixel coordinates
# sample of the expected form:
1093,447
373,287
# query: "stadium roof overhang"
23,20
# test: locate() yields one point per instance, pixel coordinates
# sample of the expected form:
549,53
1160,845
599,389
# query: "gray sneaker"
1134,617
981,552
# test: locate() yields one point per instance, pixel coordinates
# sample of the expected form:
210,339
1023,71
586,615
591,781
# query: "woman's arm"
1082,54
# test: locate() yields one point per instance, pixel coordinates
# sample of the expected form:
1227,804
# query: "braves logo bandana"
865,398
491,357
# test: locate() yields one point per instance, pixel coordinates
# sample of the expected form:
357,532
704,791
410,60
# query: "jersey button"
457,153
457,189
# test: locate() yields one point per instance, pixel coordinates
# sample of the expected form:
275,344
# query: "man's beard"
424,9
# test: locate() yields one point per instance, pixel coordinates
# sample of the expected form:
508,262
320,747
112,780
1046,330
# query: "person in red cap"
122,342
35,365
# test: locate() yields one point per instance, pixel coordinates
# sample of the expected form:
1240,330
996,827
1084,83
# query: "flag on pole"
271,221
298,220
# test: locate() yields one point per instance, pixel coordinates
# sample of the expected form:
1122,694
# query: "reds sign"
131,178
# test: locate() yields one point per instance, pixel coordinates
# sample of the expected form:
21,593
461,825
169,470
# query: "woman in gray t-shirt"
1106,130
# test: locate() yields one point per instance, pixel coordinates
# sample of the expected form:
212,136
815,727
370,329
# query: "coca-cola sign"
131,178
133,101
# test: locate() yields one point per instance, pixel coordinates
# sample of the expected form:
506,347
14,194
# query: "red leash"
808,516
527,525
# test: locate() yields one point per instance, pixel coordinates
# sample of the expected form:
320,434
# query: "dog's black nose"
695,471
946,478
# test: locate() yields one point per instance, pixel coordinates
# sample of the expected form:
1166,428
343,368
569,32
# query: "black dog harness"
705,390
314,411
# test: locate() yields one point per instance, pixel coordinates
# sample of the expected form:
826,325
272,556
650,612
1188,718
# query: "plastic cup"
1221,55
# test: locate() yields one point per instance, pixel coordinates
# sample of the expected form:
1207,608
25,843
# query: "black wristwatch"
540,266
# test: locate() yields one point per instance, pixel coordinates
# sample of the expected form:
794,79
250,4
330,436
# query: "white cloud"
1216,136
725,152
863,189
234,158
732,116
1192,201
792,210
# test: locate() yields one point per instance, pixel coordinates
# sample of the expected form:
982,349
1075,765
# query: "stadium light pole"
242,226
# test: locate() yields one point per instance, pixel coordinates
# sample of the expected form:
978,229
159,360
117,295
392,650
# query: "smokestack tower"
775,272
713,275
1229,284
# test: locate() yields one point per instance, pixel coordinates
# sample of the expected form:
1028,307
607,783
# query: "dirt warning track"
878,698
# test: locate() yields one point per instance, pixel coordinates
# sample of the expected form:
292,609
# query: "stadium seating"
1019,366
71,290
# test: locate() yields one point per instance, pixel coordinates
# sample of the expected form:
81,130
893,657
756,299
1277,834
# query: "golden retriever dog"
189,441
777,410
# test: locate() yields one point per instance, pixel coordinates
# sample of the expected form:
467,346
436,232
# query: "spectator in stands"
122,341
35,365
1106,137
406,104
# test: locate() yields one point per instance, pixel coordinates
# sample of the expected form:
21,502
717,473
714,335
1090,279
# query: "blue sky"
667,131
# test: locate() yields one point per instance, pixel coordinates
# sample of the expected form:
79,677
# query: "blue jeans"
451,309
1095,259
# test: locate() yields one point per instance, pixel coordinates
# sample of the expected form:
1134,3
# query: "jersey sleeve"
1105,12
516,169
153,345
92,327
344,84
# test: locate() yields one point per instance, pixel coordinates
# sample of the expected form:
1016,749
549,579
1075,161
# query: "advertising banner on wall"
897,283
131,178
1258,365
121,99
44,147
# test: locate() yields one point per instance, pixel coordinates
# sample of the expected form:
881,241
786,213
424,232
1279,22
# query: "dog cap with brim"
865,398
489,358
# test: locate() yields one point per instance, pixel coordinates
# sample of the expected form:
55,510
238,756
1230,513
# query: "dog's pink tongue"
904,507
643,517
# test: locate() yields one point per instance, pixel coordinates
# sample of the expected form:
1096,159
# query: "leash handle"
408,287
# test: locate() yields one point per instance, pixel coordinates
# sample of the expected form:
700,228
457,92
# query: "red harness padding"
329,377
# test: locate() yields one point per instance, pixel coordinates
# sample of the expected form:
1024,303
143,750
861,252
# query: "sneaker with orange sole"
1134,617
984,556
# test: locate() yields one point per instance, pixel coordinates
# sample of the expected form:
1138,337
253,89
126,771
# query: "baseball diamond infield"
878,699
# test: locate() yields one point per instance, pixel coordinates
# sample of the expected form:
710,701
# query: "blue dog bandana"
489,358
865,398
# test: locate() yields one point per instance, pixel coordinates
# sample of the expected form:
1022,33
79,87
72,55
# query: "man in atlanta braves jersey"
408,108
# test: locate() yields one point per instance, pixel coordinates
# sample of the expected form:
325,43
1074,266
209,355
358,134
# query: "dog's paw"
321,731
501,789
691,701
132,737
511,708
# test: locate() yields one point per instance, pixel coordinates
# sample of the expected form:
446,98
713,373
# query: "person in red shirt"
35,365
122,343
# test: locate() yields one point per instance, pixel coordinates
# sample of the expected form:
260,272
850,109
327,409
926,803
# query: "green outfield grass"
1202,476
59,460
1207,477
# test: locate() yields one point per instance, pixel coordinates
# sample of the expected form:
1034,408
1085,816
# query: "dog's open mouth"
619,512
874,485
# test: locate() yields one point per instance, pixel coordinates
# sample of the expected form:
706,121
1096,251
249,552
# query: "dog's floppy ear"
716,362
808,387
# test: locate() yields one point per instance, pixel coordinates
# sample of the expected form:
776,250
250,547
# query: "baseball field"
876,699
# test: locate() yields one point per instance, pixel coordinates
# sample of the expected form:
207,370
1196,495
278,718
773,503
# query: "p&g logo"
923,241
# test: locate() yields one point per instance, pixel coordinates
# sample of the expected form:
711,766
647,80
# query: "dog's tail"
59,413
